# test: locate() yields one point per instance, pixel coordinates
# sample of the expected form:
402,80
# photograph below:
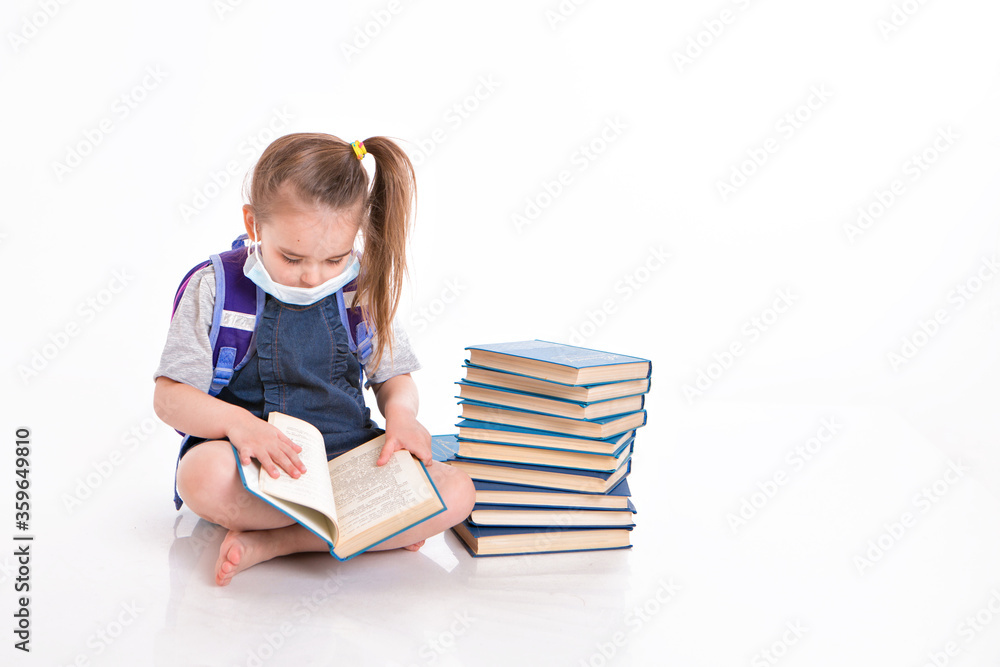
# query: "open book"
349,502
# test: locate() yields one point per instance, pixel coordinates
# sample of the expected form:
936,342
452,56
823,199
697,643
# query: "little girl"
308,201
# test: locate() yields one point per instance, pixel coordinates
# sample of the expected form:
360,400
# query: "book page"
367,494
312,519
312,489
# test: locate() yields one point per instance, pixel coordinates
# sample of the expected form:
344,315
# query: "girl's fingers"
283,461
387,449
423,456
423,453
267,464
295,466
296,461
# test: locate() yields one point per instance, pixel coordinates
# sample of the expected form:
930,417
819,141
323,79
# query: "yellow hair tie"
359,149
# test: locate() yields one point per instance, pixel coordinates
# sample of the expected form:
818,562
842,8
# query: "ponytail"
386,229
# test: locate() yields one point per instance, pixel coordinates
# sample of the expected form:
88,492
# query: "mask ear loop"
255,241
255,250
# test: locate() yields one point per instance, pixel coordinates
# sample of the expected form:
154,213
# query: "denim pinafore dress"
303,366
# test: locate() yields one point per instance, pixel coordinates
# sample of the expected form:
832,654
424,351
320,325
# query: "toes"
230,555
235,555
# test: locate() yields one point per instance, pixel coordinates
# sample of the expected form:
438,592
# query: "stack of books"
547,434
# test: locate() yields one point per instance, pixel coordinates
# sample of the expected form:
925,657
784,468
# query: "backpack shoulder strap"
238,305
360,334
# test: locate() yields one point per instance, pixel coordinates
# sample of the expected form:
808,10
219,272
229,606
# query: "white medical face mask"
254,269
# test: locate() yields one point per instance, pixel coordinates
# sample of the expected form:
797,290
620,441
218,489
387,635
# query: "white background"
496,102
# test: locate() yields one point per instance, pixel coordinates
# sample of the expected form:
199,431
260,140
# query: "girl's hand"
409,434
193,411
255,438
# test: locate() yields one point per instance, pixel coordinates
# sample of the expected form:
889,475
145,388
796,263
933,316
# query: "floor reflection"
313,609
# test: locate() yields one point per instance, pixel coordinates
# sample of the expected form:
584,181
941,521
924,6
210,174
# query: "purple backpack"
238,305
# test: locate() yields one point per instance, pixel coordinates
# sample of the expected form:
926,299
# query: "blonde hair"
324,170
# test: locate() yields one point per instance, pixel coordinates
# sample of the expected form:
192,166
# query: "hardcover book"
600,428
471,429
551,406
556,458
557,362
496,493
566,479
348,502
518,515
505,540
581,393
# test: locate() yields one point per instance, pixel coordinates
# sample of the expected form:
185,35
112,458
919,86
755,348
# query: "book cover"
559,362
521,515
556,458
553,470
515,494
600,428
559,353
509,541
506,434
584,393
501,390
512,447
548,405
444,447
566,479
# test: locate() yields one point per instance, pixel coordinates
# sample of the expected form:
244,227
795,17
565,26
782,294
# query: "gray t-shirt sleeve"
402,359
187,354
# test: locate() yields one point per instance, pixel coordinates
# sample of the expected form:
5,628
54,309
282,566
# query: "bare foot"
245,548
414,546
239,550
